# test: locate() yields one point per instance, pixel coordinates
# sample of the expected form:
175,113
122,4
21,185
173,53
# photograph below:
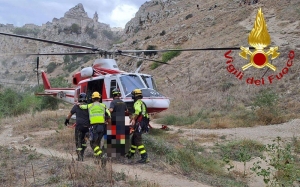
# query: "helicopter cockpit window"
113,85
131,82
149,81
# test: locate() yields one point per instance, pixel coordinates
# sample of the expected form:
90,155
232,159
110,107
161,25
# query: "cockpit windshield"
149,81
131,82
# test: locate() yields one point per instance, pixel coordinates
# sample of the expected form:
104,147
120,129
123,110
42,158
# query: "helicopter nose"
157,104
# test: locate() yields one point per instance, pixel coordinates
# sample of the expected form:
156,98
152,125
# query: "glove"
66,122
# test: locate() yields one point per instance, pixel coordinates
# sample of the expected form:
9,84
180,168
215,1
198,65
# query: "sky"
116,13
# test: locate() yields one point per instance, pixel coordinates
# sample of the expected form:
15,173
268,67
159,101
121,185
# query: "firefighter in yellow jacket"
99,116
139,121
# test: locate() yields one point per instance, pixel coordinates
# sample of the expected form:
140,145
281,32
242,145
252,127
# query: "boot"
144,158
80,155
103,161
129,155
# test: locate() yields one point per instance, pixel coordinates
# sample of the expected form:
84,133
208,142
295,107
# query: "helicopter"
104,76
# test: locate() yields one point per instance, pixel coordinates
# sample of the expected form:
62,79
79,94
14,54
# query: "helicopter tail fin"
45,81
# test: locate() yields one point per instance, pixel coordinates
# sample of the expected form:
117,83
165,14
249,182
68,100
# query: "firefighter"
139,120
118,110
82,125
99,116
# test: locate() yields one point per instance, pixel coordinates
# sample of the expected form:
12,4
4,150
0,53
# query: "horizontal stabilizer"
50,94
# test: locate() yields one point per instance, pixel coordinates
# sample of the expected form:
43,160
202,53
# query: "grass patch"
46,120
236,150
188,158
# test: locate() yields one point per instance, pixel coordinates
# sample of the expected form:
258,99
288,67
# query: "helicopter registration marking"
61,94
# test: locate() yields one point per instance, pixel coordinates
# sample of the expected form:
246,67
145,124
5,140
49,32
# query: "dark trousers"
137,143
96,134
80,140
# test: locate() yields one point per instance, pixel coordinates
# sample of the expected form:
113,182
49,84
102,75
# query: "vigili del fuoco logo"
259,39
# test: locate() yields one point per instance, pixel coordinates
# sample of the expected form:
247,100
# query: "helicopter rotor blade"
192,49
71,53
144,58
53,42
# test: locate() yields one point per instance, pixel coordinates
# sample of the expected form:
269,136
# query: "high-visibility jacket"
96,112
140,108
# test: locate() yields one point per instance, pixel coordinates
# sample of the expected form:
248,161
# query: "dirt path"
8,139
263,134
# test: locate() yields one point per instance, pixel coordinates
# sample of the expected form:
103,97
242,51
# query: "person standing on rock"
82,125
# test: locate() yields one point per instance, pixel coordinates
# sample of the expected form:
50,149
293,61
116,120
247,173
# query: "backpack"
145,121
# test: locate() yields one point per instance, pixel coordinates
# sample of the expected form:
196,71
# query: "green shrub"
139,63
51,67
268,111
67,59
279,166
237,150
169,55
75,28
25,31
266,98
154,65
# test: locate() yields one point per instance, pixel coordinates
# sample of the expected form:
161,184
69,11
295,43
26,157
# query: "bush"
150,53
75,28
66,59
154,65
25,31
139,63
268,111
266,98
13,103
169,55
51,67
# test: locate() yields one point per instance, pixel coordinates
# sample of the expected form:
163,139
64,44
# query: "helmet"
136,92
116,91
96,95
82,97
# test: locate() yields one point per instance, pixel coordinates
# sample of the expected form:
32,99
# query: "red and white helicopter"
105,75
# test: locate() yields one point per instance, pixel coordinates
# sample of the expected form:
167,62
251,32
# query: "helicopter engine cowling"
87,72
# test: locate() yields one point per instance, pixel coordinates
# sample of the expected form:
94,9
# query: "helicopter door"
77,92
94,86
113,85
